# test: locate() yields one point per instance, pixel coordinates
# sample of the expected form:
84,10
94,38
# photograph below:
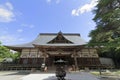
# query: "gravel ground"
69,76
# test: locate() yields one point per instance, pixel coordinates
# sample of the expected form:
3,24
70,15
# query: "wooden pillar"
44,54
19,61
75,59
29,57
37,56
44,59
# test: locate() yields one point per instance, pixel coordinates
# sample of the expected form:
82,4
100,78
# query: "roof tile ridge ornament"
58,39
60,32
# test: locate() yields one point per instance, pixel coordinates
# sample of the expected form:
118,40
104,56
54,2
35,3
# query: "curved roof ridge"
30,44
43,39
57,33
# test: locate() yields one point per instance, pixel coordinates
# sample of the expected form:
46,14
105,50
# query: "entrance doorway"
69,61
50,61
52,58
56,58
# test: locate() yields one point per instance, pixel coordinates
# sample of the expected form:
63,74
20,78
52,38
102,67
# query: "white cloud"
21,39
28,25
31,26
9,5
10,39
56,1
20,30
75,12
24,25
48,1
6,12
85,8
7,38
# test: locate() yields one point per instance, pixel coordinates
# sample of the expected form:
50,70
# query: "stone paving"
12,75
24,75
69,76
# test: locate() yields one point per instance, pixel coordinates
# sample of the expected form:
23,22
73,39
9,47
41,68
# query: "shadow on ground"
53,78
106,78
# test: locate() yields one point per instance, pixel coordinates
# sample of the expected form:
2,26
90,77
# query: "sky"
21,21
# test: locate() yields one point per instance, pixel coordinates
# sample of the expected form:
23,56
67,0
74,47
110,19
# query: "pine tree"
107,32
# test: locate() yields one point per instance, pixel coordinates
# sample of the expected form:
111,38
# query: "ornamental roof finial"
60,32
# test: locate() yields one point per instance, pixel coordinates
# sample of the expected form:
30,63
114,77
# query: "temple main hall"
50,47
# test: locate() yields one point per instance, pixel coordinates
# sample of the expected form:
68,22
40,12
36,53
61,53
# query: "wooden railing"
19,66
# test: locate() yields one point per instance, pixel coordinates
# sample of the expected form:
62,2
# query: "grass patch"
95,73
107,73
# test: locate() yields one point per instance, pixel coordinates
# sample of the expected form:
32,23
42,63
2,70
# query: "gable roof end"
60,39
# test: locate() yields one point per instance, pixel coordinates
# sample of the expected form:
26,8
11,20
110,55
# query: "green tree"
107,32
6,53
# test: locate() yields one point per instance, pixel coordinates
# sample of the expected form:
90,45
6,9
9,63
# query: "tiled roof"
43,39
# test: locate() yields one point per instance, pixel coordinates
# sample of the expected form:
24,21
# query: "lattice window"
92,51
40,54
94,55
25,53
33,53
85,53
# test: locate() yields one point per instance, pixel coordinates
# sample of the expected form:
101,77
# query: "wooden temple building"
50,47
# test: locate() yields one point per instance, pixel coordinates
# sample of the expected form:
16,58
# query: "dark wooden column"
20,59
29,59
45,56
75,59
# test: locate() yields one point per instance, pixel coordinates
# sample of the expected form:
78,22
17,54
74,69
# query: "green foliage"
6,53
107,32
15,55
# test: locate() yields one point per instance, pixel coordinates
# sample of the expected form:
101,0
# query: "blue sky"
22,20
